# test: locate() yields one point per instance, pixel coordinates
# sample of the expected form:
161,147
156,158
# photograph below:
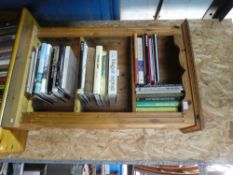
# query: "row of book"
52,73
147,62
7,38
98,73
151,95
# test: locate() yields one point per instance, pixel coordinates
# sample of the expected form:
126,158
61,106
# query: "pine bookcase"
176,66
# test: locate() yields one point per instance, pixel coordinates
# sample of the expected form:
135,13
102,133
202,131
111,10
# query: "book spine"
157,109
113,73
103,78
84,65
65,66
44,81
140,61
135,59
29,80
80,72
147,48
40,69
156,57
153,61
97,74
98,66
150,62
157,103
156,99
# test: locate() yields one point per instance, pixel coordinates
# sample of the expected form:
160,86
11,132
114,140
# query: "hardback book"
140,61
156,98
82,72
155,41
69,72
160,94
4,63
89,81
104,81
6,38
31,72
97,74
156,109
167,103
151,62
40,70
147,53
55,89
112,76
3,74
160,88
45,75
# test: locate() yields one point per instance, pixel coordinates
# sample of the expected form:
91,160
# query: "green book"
157,109
162,103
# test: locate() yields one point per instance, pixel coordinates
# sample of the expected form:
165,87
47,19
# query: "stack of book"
97,75
7,38
159,98
52,74
152,96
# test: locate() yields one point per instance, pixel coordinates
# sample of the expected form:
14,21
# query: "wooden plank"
16,101
105,31
198,116
93,120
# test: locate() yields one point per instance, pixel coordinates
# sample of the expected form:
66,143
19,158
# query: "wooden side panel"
15,101
199,120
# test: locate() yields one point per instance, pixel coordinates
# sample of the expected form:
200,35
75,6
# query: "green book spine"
167,103
157,109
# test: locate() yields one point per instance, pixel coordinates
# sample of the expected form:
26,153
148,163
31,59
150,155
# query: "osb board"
213,50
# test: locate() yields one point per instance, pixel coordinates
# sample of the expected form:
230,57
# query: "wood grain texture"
214,70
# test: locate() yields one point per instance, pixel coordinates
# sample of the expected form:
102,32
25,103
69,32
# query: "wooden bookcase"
176,62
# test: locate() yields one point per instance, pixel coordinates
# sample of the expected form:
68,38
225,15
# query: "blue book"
39,74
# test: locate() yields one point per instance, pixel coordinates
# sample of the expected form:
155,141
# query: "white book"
140,61
84,65
152,62
97,74
69,74
112,76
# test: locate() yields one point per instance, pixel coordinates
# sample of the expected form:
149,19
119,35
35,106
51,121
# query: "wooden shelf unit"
177,66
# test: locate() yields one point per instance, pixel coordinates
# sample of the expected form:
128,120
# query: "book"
82,72
89,81
6,38
56,66
140,61
30,82
112,76
69,72
147,53
170,103
97,74
39,73
156,98
158,95
157,109
151,63
103,88
45,74
159,88
155,41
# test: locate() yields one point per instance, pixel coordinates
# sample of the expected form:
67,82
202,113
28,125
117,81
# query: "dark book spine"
58,76
80,64
156,98
147,53
51,72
